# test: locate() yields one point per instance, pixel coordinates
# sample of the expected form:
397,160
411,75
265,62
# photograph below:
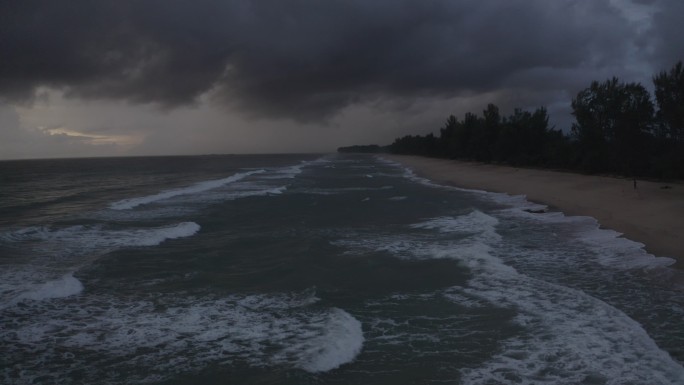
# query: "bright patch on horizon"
121,140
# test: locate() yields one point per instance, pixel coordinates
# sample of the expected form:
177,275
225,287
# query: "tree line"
617,130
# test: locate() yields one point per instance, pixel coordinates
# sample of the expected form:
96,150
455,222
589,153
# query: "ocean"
315,269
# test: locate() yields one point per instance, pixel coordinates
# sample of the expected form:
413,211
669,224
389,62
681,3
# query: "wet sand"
650,214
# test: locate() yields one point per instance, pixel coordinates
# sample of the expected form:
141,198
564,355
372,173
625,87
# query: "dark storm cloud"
666,33
302,59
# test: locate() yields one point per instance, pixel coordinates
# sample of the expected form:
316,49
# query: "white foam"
477,230
23,283
65,286
191,203
286,172
93,237
72,238
281,301
128,204
474,251
610,247
409,174
57,253
262,192
339,343
517,202
342,190
612,250
474,222
186,334
461,298
292,171
569,337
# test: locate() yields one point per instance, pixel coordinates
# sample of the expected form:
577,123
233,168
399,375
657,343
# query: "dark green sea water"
307,269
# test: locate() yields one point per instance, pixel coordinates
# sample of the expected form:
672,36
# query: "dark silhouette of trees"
617,131
613,121
369,149
521,139
530,135
669,93
449,131
416,145
669,146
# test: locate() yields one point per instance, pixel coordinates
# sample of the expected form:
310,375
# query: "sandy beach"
652,214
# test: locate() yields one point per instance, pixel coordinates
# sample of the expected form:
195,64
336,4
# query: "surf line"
128,204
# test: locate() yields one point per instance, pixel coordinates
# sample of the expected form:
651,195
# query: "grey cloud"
666,33
301,59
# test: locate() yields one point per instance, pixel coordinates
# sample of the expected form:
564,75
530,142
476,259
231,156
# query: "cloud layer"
308,60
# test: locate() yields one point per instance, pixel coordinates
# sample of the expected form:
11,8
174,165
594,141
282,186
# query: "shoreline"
650,214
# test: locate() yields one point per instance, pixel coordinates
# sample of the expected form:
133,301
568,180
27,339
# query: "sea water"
296,269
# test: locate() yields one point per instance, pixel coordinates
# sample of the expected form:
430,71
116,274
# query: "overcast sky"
96,78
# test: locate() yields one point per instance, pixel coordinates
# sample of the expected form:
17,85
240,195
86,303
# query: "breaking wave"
128,204
185,335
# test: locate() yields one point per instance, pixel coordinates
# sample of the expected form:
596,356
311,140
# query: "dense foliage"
617,130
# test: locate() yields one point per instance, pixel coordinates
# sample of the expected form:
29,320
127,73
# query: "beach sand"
649,214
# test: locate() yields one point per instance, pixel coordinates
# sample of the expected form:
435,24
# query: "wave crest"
130,203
